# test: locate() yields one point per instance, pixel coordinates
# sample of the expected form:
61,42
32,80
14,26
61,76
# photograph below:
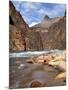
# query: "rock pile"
58,61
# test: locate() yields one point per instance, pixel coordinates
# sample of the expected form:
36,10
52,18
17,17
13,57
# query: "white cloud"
34,12
57,11
33,23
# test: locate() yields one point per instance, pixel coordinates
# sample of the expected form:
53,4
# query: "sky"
34,12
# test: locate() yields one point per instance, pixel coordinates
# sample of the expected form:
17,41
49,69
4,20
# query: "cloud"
58,10
33,12
32,24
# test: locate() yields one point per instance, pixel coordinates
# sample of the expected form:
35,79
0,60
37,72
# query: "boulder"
61,65
40,61
61,76
36,84
40,58
30,61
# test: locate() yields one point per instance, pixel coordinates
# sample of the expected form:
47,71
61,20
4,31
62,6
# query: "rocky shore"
50,59
41,71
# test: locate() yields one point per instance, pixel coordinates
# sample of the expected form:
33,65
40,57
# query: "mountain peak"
46,17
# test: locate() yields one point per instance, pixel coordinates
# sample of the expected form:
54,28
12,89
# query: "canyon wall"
49,34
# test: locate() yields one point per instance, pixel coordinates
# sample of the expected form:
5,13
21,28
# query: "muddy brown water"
23,74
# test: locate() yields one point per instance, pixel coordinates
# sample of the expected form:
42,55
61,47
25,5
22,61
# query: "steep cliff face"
21,38
57,34
17,41
17,19
34,41
54,36
17,30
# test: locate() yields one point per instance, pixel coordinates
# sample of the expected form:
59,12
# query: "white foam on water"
34,53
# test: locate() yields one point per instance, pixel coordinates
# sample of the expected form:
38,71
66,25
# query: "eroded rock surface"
22,38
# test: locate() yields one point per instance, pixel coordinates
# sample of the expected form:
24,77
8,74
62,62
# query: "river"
23,74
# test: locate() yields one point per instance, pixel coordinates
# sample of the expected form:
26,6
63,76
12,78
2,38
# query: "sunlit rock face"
21,38
17,40
17,30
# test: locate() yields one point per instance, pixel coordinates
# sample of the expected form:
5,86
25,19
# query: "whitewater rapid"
34,53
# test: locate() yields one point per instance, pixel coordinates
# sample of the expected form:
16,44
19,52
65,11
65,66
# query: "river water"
22,74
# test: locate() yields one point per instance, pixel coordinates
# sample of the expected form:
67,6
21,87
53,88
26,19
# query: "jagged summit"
46,17
46,22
